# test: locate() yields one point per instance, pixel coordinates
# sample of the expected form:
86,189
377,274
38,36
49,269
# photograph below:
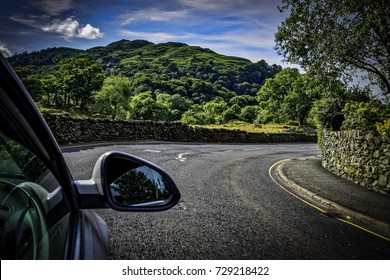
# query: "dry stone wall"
363,158
69,130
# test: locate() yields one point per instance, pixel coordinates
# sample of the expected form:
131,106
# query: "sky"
243,28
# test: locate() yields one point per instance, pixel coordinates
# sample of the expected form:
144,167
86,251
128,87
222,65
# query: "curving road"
230,208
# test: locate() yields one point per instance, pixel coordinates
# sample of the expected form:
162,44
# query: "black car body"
44,212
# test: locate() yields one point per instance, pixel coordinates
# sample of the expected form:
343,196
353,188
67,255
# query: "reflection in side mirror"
133,184
140,186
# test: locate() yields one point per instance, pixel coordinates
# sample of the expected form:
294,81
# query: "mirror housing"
125,182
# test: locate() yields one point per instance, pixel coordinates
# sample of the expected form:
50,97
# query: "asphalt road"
230,208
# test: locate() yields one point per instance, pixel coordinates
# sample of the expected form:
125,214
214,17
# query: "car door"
38,206
44,212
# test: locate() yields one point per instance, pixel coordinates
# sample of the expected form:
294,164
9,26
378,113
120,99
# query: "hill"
175,60
176,74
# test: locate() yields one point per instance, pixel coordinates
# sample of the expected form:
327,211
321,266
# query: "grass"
75,112
238,125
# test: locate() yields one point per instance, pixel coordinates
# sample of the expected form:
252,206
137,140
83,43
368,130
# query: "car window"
34,213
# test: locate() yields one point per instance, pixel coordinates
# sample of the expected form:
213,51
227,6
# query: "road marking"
318,208
152,151
181,158
253,149
293,194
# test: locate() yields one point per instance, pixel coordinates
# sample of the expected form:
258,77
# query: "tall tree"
338,37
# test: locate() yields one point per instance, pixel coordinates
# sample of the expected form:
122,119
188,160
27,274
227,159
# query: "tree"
249,113
176,105
306,89
113,98
213,111
243,100
327,113
31,82
232,113
272,94
194,115
51,91
80,76
144,107
338,37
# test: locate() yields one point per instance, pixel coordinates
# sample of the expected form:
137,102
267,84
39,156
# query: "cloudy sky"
242,28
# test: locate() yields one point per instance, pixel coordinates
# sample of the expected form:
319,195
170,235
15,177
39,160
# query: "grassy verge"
265,128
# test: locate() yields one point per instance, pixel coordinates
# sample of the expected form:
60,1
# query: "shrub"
364,115
327,113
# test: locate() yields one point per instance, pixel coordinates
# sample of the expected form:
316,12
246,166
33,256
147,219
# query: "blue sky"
242,28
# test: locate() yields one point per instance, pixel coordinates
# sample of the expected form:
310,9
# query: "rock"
382,180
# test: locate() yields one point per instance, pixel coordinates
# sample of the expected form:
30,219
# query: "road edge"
347,214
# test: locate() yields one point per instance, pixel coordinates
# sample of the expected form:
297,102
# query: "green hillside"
177,81
174,60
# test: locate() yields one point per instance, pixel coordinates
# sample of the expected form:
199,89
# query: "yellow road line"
318,208
364,229
293,194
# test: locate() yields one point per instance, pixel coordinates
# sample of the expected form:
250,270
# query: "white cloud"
53,7
68,28
4,50
152,15
90,32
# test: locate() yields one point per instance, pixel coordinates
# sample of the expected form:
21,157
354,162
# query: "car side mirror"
129,183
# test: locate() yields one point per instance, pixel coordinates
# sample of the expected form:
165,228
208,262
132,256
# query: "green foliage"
80,77
192,72
194,115
51,56
144,107
30,81
176,82
336,37
232,113
112,100
211,112
272,94
364,115
288,96
327,113
176,105
384,128
249,113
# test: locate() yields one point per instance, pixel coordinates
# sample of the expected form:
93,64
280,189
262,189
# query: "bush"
364,115
327,113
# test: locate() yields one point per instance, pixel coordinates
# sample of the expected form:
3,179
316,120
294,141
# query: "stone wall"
68,130
363,158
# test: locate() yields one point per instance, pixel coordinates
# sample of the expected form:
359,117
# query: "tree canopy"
338,37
